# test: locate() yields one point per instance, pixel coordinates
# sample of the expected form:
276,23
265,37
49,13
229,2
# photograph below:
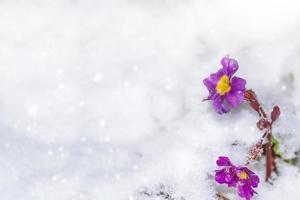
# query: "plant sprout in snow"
226,92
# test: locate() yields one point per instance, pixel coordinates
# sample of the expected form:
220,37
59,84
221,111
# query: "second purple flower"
236,176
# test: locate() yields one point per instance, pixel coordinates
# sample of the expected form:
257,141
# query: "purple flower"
225,90
239,177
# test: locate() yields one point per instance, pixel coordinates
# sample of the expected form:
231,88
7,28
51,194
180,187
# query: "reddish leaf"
255,106
249,95
263,124
275,113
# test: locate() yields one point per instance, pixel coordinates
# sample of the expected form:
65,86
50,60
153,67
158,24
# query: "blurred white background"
102,99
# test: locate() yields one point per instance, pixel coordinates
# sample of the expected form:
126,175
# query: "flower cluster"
239,177
225,90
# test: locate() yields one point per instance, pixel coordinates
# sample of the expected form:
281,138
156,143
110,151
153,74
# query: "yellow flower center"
223,85
243,175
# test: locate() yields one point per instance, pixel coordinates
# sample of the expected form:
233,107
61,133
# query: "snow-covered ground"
102,99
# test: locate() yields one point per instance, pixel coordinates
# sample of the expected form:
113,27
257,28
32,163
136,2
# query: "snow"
103,99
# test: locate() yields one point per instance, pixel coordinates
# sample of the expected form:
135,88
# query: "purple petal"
230,66
212,81
220,106
233,182
245,191
254,179
223,161
220,176
226,175
212,96
210,85
237,83
235,98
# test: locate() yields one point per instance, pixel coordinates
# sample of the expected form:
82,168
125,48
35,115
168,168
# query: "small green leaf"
275,146
290,161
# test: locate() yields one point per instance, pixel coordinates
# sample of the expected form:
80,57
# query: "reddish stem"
268,152
263,124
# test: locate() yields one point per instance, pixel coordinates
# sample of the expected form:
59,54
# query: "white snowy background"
102,99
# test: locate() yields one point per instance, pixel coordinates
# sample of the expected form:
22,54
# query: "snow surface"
102,100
